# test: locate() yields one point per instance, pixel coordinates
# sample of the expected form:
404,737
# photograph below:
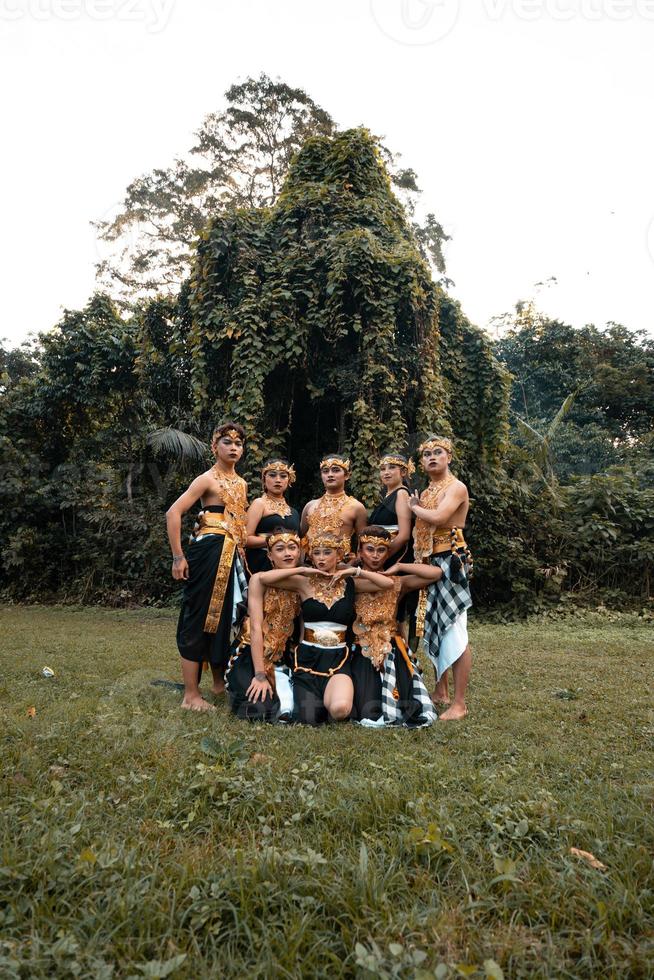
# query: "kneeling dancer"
258,676
388,685
213,573
441,511
322,682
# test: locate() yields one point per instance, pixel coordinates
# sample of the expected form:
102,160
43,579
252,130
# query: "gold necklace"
327,593
277,505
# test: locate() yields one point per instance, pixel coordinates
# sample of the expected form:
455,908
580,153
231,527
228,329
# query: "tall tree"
316,324
240,158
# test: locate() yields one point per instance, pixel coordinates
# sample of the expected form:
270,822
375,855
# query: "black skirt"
238,677
309,688
371,694
193,643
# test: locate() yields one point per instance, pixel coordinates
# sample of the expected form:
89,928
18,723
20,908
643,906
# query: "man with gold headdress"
212,571
441,511
335,512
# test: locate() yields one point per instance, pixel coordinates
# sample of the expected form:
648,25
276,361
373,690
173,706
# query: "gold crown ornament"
407,464
335,461
434,443
327,541
375,539
233,434
288,537
282,467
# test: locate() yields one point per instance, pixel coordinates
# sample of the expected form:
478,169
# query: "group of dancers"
299,627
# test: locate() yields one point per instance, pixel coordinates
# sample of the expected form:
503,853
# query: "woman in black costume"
322,682
269,512
393,511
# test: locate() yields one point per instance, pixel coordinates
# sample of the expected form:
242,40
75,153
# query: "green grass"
140,840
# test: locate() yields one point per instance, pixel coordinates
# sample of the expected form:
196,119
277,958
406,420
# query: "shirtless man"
212,573
335,512
441,511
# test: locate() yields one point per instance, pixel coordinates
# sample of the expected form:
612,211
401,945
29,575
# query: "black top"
385,512
314,611
257,558
215,508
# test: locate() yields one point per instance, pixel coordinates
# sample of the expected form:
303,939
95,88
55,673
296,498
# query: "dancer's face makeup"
333,477
284,554
373,556
325,559
228,450
435,461
276,482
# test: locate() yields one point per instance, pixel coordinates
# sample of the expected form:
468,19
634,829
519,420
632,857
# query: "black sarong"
238,677
192,641
309,688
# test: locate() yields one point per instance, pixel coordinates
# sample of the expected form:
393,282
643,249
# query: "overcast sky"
528,122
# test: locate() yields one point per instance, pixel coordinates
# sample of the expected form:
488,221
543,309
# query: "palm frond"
177,446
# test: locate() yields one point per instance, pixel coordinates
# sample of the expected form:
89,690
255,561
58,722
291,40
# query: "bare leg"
338,698
461,671
218,686
441,693
193,700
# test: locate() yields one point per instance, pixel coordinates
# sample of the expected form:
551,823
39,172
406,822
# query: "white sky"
529,123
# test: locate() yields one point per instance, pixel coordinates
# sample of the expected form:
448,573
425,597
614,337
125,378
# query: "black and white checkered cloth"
390,707
239,609
446,600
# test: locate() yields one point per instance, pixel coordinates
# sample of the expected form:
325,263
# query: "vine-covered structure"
318,325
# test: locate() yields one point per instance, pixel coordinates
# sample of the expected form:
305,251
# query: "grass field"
142,841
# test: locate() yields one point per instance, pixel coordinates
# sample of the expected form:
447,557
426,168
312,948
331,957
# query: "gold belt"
325,637
446,538
211,524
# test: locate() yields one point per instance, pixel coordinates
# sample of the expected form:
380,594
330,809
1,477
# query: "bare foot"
218,687
195,702
440,696
455,713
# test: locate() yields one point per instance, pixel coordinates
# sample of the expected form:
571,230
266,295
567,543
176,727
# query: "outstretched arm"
364,581
415,576
290,579
442,515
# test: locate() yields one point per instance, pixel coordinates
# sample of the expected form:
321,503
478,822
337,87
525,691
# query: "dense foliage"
317,323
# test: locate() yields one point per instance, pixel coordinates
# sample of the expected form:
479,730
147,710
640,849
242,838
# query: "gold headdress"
434,442
391,460
327,541
374,539
288,537
336,461
233,434
278,464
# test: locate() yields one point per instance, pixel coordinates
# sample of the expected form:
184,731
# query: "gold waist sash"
214,524
325,638
211,524
446,539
